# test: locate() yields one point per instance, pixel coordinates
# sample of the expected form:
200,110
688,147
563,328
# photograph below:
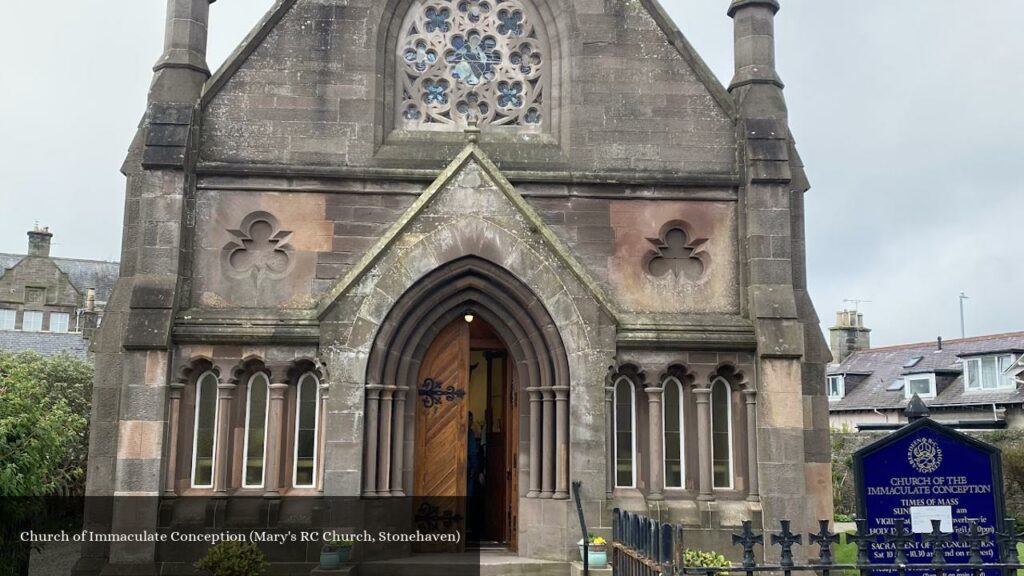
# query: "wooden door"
442,419
511,413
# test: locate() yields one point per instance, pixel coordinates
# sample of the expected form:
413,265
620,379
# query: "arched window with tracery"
625,433
464,62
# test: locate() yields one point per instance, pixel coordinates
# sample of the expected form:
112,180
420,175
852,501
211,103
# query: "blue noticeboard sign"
927,471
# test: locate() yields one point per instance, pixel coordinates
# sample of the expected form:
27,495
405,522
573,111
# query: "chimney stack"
848,335
39,242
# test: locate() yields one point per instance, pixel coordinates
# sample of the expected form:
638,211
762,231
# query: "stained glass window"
625,434
462,62
672,405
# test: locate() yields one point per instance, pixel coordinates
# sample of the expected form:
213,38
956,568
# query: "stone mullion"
372,429
398,441
656,440
384,444
548,450
561,442
704,455
752,480
276,422
222,463
325,391
609,424
175,390
536,441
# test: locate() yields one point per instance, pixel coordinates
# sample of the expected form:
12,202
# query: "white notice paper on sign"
921,518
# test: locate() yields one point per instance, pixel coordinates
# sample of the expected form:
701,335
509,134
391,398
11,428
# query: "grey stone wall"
313,92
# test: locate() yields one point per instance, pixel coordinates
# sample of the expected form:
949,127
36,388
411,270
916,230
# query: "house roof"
871,372
84,274
46,343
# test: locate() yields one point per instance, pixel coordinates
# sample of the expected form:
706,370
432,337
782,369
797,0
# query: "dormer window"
836,387
989,372
921,384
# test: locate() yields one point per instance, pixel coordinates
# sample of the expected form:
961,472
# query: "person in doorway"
474,475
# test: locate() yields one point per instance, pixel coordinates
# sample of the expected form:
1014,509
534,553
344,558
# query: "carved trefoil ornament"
464,63
259,249
677,253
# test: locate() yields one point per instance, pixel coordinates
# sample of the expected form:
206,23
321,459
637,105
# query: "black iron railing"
583,526
642,546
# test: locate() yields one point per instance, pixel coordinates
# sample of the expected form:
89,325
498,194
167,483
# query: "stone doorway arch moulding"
533,340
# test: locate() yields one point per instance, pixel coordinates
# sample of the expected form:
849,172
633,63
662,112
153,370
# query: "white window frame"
10,313
34,314
632,437
316,432
195,432
1003,380
910,378
728,418
842,387
67,322
245,442
673,381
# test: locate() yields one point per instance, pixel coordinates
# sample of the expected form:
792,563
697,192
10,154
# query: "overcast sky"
907,114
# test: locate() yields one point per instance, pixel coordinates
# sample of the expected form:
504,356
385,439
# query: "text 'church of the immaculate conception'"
473,248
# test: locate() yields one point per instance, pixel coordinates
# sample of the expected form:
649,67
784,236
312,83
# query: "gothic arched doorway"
422,334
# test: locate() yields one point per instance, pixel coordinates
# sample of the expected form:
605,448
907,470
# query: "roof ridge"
944,342
63,258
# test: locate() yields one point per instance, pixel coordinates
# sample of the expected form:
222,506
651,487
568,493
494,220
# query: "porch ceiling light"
469,316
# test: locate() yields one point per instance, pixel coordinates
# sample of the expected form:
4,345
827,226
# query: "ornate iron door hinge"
433,393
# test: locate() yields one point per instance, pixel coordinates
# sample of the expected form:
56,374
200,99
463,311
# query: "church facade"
473,248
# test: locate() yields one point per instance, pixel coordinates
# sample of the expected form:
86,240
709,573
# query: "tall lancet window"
471,61
721,433
625,434
204,434
254,449
672,405
307,421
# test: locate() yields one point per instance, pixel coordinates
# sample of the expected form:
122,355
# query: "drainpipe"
885,416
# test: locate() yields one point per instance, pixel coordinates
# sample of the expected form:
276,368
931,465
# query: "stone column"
535,441
222,462
384,445
325,391
752,480
705,465
656,437
398,442
173,424
609,435
372,430
561,442
276,422
548,450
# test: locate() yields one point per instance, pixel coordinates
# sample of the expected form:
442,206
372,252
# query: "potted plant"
597,551
233,558
335,552
701,559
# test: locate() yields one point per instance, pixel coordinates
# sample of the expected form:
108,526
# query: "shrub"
233,559
701,559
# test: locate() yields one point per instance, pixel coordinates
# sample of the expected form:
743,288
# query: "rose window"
465,62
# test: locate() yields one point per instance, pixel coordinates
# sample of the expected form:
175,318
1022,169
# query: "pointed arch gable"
429,250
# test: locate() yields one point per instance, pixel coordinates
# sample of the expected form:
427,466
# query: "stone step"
484,564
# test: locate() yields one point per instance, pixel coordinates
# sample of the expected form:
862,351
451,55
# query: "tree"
44,420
